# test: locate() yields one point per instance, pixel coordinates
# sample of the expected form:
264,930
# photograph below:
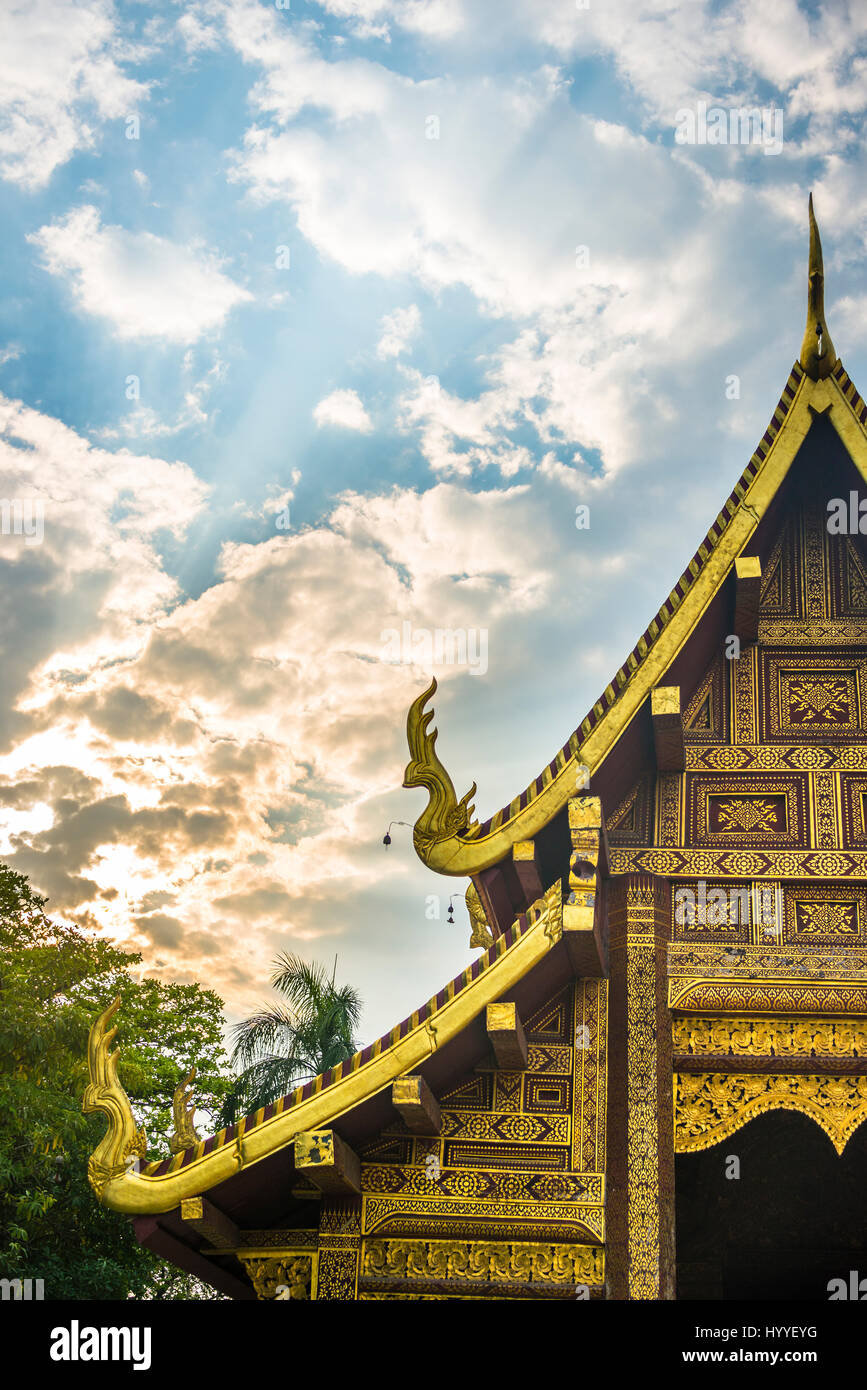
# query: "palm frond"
310,1031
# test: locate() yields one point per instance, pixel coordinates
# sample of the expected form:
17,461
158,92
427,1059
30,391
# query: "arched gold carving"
711,1106
123,1143
444,817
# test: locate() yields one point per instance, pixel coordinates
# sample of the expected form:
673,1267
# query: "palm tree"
311,1029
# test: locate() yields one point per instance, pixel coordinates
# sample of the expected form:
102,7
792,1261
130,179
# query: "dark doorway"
795,1219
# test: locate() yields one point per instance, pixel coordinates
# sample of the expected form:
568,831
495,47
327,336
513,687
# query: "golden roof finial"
817,351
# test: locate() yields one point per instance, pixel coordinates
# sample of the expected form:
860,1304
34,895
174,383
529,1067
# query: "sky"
321,323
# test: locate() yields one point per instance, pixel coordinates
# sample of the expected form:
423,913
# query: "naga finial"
123,1144
444,816
817,351
183,1110
481,935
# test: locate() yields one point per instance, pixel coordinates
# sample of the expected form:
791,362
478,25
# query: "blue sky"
416,278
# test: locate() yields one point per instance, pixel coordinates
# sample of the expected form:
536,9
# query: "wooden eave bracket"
584,925
527,869
748,583
206,1220
416,1104
329,1163
506,1033
667,722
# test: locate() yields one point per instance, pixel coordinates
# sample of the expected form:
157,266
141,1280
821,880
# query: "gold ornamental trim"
514,1262
583,1217
768,996
711,1106
768,1037
777,757
808,865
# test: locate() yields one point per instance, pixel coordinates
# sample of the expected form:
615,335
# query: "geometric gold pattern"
758,757
757,814
826,918
686,862
818,699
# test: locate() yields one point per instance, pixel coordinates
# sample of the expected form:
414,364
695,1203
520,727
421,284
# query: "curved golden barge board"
142,1193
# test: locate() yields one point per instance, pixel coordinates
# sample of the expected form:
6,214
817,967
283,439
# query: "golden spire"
817,351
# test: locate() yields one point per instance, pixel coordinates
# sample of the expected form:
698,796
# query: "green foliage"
308,1032
54,981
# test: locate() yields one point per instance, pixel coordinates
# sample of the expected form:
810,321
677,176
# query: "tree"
307,1033
54,981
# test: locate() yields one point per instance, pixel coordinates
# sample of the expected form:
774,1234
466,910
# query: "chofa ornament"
183,1110
123,1143
444,816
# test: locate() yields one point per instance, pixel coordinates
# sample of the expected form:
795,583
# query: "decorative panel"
812,697
749,811
853,807
831,915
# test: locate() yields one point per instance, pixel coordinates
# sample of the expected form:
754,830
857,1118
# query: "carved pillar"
339,1246
640,1172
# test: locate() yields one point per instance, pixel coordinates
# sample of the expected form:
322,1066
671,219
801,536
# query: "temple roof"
818,385
446,1035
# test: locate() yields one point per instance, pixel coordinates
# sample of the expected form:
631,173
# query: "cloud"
61,76
343,409
234,752
142,285
398,331
602,314
439,19
79,599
